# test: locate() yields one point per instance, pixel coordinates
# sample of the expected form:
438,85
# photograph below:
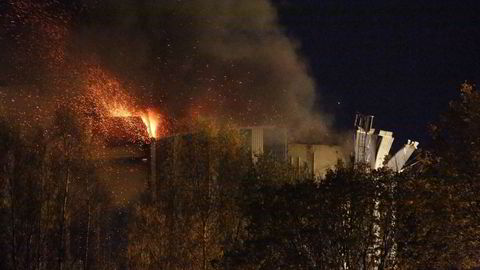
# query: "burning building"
133,158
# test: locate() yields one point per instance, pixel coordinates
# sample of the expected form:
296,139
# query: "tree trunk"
87,237
99,253
13,239
204,245
64,245
40,218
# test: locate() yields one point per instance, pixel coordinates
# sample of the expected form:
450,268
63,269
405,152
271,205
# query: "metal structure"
397,162
372,148
365,139
385,139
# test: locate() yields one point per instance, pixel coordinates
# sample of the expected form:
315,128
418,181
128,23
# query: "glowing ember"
106,98
118,110
107,94
152,120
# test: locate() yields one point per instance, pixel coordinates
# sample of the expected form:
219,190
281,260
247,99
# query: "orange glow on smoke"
153,122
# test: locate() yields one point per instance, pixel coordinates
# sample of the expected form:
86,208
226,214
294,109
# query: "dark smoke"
228,59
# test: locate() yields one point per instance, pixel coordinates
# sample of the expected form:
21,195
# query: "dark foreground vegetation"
214,209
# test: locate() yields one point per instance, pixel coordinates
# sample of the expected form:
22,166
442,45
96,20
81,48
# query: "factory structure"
373,148
130,164
314,160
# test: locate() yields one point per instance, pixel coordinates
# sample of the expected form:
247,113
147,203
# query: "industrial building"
133,162
372,148
315,160
268,140
310,159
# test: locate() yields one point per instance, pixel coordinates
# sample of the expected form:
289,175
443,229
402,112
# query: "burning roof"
123,130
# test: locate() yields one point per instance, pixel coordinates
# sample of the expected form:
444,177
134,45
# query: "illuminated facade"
372,148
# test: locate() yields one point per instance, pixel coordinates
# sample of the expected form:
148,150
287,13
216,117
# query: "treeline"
52,208
212,208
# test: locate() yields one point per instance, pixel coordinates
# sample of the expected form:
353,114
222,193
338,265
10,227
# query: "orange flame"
152,120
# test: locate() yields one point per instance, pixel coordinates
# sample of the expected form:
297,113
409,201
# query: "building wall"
266,140
123,170
123,158
315,158
256,142
126,165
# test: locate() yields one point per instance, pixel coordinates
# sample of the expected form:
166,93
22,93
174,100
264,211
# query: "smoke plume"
226,59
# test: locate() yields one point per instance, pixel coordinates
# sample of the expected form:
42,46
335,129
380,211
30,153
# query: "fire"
152,120
111,99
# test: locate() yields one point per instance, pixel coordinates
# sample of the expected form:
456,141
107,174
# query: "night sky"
401,61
